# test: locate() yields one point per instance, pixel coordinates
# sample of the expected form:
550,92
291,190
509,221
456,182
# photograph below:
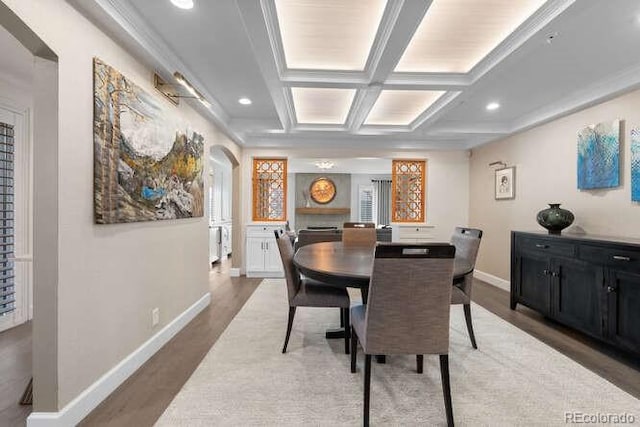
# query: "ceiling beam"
391,41
261,26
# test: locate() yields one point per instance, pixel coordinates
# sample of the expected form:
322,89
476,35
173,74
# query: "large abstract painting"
635,164
599,156
147,163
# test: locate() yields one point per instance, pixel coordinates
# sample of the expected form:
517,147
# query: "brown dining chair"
407,311
359,236
307,237
305,292
467,243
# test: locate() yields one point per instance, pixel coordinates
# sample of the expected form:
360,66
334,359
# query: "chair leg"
346,330
342,318
467,317
419,363
354,350
446,387
364,292
292,312
367,387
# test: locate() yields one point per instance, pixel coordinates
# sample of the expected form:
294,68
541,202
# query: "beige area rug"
511,380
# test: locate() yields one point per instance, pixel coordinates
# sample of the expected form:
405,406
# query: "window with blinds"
365,200
7,284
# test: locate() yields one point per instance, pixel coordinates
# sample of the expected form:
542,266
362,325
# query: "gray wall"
342,200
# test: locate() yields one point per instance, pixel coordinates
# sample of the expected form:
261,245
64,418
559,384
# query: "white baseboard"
92,396
234,272
492,280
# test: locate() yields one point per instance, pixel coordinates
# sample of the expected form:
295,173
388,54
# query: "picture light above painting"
147,162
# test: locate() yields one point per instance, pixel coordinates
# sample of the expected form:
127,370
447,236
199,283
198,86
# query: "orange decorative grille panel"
408,184
269,189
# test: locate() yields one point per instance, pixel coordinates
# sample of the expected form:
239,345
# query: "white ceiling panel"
322,106
328,34
401,107
456,34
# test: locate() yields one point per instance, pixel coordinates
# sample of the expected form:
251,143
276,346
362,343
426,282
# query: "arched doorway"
224,207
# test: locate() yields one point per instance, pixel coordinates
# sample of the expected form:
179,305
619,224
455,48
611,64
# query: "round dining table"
349,265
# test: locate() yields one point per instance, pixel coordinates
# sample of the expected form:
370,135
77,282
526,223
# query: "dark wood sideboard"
590,283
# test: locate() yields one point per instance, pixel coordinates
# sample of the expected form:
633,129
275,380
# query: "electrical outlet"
155,316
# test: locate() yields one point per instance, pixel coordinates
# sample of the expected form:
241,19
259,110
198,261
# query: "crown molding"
432,81
324,78
477,129
347,142
443,104
132,23
273,30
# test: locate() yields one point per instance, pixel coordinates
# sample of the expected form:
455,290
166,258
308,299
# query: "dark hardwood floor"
15,373
144,396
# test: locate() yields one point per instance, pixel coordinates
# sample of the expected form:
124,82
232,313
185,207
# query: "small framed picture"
505,183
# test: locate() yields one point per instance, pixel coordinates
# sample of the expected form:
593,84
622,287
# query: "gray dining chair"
305,292
407,311
467,243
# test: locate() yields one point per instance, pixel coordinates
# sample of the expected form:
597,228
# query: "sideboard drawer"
546,246
618,258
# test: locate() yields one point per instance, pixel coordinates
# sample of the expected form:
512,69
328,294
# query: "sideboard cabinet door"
534,284
578,292
623,290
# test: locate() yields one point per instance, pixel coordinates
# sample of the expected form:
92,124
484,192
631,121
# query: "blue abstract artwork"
599,156
635,164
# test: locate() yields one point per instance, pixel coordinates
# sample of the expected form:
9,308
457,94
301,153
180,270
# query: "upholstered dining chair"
365,236
407,311
305,292
307,237
467,243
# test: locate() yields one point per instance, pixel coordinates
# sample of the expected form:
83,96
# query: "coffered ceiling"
407,74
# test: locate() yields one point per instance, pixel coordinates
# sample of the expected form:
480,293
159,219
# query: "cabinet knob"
555,274
546,272
539,246
611,289
621,258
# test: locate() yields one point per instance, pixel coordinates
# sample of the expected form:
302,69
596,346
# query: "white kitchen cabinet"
214,244
263,256
225,240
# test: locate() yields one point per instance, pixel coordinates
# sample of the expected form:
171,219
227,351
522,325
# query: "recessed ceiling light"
183,4
493,106
244,101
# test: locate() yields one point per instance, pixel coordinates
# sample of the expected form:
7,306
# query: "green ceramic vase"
554,218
